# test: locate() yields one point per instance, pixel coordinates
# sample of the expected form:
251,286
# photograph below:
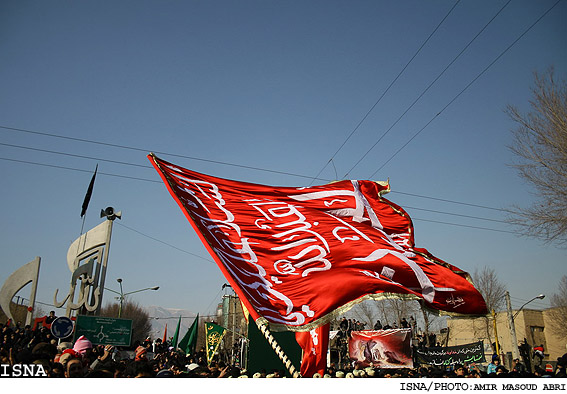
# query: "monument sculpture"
87,259
15,282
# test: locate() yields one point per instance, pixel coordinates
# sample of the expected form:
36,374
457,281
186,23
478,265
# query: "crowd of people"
149,358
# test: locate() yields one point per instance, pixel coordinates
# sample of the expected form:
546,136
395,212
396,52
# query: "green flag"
176,336
213,337
189,341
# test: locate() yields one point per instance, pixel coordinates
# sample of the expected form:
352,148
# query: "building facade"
533,327
230,315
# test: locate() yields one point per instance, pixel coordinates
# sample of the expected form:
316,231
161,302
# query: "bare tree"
141,325
388,310
366,312
400,308
490,287
540,144
492,290
382,306
558,312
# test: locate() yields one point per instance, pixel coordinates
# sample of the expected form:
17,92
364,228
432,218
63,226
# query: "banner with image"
445,356
382,348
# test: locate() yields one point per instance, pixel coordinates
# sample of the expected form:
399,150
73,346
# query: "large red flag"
315,344
298,255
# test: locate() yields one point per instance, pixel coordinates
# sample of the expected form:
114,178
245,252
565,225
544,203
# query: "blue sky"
265,92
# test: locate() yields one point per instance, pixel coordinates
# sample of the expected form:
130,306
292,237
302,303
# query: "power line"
466,87
158,181
150,317
165,243
75,155
455,214
387,89
428,87
80,170
465,225
450,201
150,150
213,300
532,301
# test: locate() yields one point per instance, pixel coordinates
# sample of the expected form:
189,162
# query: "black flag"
89,194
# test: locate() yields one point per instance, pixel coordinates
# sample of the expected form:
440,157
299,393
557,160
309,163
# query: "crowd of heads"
465,370
80,358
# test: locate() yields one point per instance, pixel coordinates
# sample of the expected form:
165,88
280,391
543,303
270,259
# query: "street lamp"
515,350
539,297
123,295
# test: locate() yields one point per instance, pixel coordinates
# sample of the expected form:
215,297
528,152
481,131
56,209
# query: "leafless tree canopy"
492,290
141,325
559,311
540,144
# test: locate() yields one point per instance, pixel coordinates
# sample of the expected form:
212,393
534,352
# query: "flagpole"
87,199
83,224
277,348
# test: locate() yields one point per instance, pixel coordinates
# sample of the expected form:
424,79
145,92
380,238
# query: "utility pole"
515,350
495,333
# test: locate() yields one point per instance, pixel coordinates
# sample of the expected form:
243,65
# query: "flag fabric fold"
298,256
315,344
89,193
175,338
189,341
164,335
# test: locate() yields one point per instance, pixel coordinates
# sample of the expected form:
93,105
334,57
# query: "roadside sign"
62,327
104,330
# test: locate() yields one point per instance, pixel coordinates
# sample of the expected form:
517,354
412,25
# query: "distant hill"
161,316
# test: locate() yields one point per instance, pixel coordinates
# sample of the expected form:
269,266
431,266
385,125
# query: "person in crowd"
141,354
560,368
49,319
460,371
493,364
74,368
517,366
538,355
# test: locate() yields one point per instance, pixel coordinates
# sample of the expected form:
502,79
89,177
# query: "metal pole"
121,299
122,295
515,350
104,263
233,326
495,333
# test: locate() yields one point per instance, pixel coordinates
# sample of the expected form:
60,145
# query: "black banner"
445,356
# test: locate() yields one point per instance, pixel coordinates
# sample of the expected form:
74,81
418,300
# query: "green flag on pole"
189,341
213,337
176,335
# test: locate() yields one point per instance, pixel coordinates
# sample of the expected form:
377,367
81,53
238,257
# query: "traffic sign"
104,330
62,327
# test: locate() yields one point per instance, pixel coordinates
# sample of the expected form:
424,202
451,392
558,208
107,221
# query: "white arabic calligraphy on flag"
297,255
